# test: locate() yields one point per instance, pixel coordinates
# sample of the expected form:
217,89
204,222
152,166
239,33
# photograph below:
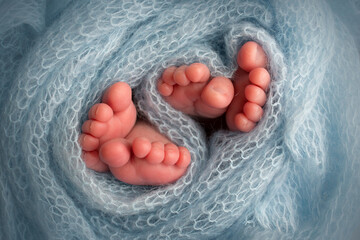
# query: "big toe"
218,93
115,153
251,55
118,96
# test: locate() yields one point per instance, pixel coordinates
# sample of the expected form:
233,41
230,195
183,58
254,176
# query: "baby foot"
251,81
133,151
190,90
114,118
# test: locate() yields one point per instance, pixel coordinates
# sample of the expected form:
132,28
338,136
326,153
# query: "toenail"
218,90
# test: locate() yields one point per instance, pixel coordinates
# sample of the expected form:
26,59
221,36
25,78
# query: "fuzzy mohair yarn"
295,176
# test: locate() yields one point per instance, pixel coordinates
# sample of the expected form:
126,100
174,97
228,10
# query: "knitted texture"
295,176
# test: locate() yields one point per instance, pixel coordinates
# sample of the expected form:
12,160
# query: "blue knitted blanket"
295,176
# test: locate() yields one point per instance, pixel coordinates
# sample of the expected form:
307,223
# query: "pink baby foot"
190,90
251,81
133,151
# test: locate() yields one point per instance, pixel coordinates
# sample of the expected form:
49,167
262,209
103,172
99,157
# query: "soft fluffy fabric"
295,176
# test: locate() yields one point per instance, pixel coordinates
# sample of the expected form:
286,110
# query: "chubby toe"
242,123
94,128
118,96
168,74
180,77
92,161
184,158
164,88
141,147
197,72
171,154
115,153
255,94
260,77
156,154
253,111
250,56
101,112
218,93
88,142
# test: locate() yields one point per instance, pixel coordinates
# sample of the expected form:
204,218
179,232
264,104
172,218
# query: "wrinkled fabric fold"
295,176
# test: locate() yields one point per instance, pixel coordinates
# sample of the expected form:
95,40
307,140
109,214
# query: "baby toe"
197,72
164,88
255,94
168,74
92,161
88,142
260,77
118,96
156,154
180,77
184,158
218,93
250,56
171,154
94,128
115,153
101,112
253,111
141,147
242,123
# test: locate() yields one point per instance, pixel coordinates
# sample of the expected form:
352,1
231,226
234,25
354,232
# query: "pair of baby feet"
136,153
